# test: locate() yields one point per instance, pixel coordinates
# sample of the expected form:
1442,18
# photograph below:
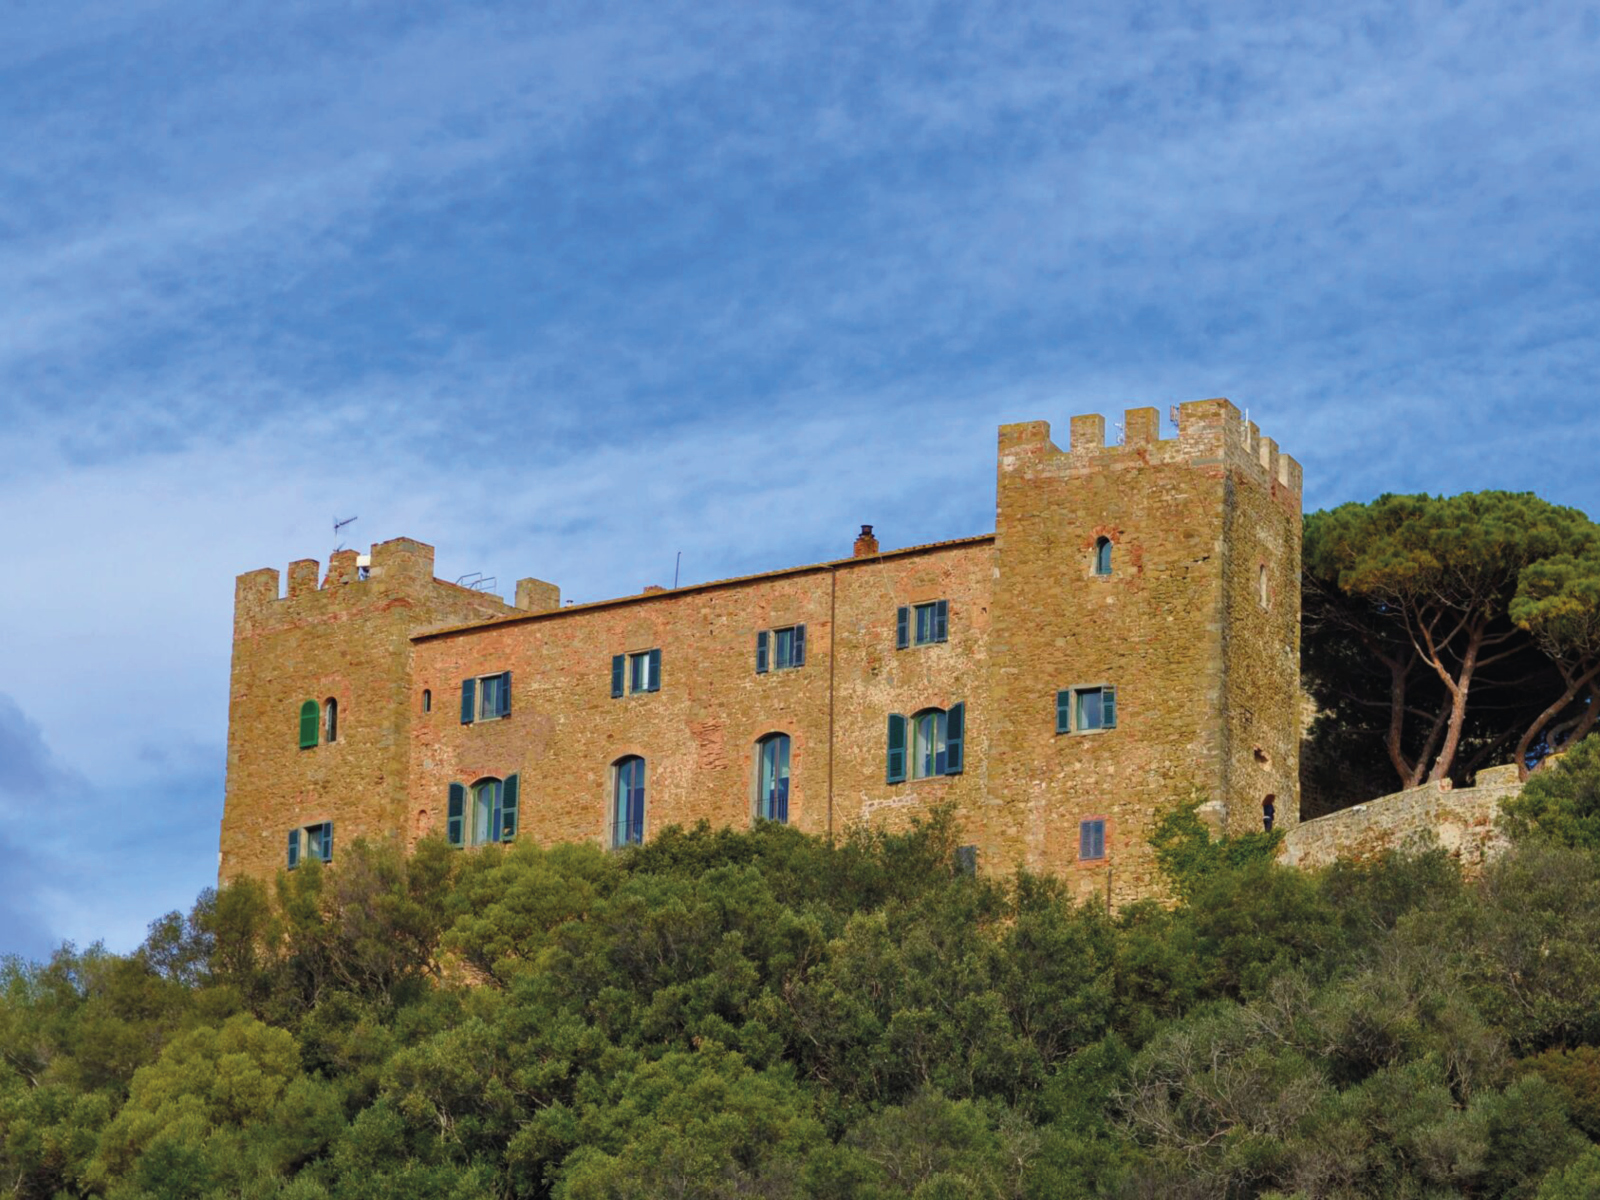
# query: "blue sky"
563,289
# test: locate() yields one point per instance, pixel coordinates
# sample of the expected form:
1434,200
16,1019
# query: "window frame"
763,810
473,688
915,743
330,720
1072,706
1102,565
1098,827
301,847
625,667
624,822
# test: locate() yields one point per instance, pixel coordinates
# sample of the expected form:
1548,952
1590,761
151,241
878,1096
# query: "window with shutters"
486,698
311,841
1091,839
310,723
627,801
780,649
1086,709
772,778
1102,556
922,624
482,814
635,673
927,744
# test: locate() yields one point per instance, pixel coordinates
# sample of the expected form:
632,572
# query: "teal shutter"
955,730
761,653
456,815
619,665
294,848
508,808
902,627
897,748
505,694
469,699
310,715
1064,712
655,670
1108,708
327,841
941,621
799,645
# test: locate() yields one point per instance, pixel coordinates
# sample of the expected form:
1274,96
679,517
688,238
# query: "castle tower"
1150,591
320,705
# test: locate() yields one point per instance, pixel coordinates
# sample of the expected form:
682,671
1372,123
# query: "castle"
1129,632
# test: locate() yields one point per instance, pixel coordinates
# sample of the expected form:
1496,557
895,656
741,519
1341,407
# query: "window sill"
1084,732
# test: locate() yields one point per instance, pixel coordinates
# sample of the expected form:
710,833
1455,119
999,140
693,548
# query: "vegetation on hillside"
763,1014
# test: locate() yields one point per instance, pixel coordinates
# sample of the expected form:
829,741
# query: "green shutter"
799,645
619,667
941,621
1108,708
508,808
505,693
761,653
469,700
455,815
897,748
294,848
310,718
955,730
655,671
1064,712
902,627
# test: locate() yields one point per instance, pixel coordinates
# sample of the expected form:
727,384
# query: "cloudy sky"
565,288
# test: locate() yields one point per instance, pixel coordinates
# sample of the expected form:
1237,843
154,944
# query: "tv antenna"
337,526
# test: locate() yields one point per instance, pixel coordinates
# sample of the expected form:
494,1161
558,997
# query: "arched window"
1261,585
627,801
330,720
772,777
483,813
1102,556
427,700
928,743
486,794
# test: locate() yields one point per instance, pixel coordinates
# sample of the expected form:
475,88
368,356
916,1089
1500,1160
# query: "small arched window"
627,801
1261,585
1102,556
330,720
772,777
427,700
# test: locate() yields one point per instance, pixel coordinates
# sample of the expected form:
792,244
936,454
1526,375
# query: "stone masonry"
1196,626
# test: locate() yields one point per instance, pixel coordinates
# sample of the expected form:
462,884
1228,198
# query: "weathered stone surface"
1197,627
1461,821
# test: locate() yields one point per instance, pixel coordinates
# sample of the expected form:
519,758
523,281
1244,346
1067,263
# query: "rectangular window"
1086,709
922,624
780,649
486,698
1091,839
318,842
637,672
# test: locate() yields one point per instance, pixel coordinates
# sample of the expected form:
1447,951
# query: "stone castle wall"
1197,627
1460,820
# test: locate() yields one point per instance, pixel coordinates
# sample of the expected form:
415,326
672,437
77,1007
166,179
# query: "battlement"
1210,433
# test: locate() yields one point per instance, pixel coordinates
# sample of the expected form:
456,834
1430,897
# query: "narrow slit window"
330,720
1102,556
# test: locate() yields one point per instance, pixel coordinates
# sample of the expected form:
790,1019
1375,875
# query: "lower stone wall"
1462,821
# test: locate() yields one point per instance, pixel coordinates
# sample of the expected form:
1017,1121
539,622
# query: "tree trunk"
1458,687
1575,684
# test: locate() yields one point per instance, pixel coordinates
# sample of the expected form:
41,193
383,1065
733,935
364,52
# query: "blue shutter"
327,841
955,729
619,664
761,653
508,809
469,699
655,671
799,645
294,848
505,694
1108,708
902,627
309,714
1064,712
897,747
941,620
455,816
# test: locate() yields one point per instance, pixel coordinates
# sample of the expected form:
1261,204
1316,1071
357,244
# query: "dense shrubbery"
762,1014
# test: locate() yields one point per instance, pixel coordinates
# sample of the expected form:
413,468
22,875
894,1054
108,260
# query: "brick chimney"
866,544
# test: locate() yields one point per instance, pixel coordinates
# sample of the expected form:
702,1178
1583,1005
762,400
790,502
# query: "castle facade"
1129,632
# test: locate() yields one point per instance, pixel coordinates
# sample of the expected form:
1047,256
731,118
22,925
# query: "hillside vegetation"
763,1014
